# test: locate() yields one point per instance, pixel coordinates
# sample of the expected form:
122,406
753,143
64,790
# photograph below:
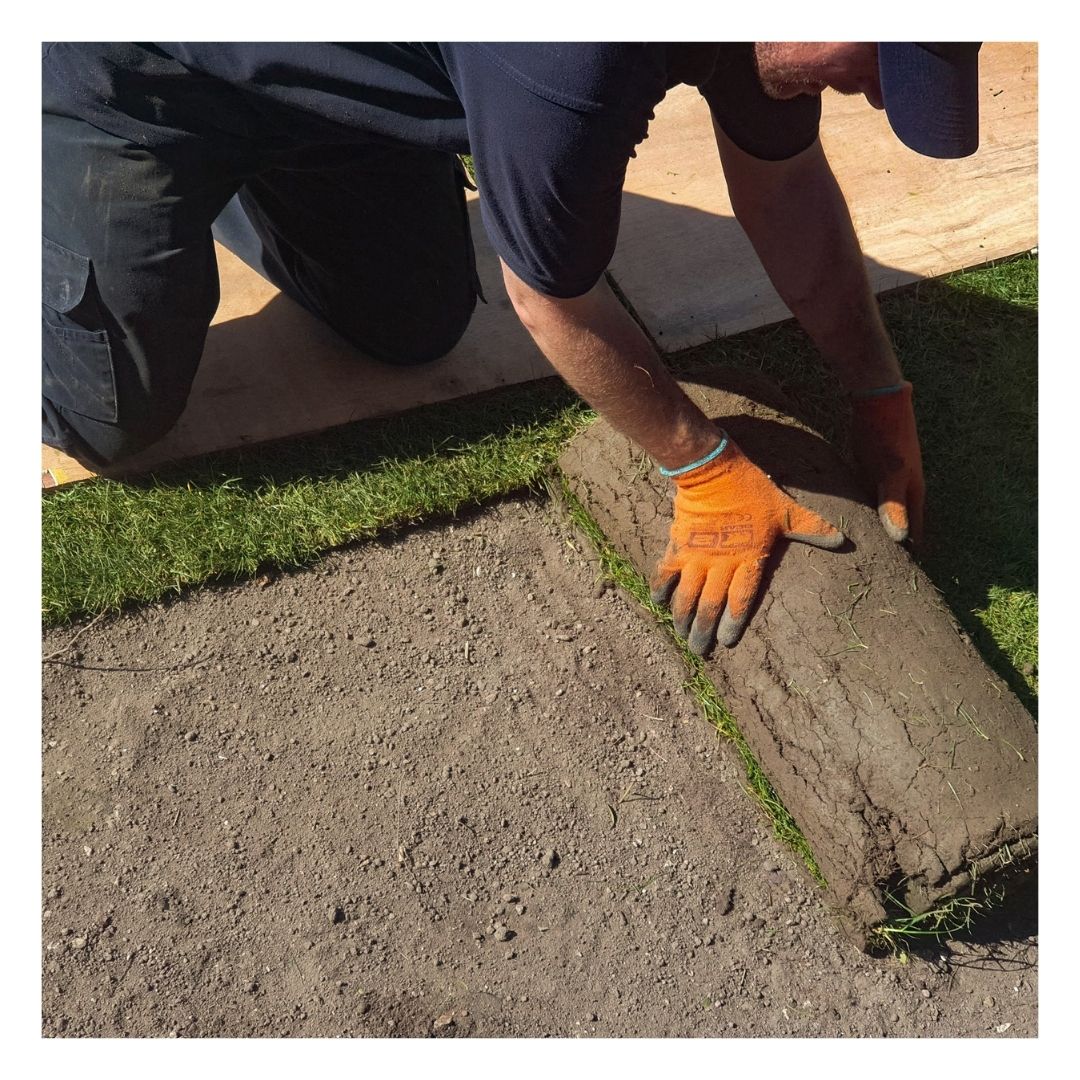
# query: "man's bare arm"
709,574
795,216
595,345
797,219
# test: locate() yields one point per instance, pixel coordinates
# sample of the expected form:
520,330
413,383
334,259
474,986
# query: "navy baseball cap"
931,95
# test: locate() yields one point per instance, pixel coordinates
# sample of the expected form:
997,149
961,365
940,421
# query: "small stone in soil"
551,858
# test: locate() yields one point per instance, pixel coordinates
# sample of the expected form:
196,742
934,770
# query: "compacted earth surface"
445,784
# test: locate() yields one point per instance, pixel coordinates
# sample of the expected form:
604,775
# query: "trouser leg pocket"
77,368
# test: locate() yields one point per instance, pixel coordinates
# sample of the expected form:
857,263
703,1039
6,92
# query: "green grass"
106,544
906,930
968,343
948,920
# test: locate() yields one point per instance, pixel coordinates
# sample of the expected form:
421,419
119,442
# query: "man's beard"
780,76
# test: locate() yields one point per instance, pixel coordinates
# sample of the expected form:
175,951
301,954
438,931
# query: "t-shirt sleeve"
762,126
551,134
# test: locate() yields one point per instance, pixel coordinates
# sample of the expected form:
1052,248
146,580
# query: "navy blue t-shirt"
551,126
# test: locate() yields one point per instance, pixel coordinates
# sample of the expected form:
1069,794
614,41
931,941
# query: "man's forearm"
795,216
594,344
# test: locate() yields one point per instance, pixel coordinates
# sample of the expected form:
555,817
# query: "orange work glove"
728,517
886,447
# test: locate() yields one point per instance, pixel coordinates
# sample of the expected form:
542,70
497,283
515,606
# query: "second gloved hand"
728,517
886,446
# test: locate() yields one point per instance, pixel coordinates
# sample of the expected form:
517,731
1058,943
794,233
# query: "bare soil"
447,785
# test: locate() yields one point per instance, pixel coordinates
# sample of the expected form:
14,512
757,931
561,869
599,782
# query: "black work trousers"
372,238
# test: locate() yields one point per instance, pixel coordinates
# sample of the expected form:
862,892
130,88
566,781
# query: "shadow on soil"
1003,937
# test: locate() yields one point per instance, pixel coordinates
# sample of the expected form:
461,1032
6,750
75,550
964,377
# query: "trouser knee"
101,443
129,286
381,249
409,338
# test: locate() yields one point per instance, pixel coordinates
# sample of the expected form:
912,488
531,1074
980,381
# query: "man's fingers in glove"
662,584
685,601
809,528
703,631
887,446
744,587
900,507
893,514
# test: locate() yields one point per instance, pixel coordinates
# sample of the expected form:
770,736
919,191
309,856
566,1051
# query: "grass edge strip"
620,572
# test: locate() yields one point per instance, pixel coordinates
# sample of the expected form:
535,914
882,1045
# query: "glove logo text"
728,538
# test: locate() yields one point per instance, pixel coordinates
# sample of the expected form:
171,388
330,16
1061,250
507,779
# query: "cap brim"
931,95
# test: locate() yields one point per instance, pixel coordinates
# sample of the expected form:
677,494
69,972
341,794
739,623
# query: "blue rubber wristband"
881,391
701,461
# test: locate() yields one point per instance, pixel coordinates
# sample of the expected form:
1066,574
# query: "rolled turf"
906,762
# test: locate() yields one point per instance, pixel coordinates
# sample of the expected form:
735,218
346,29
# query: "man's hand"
886,447
728,517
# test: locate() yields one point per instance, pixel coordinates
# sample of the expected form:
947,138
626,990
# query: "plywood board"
57,469
689,272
